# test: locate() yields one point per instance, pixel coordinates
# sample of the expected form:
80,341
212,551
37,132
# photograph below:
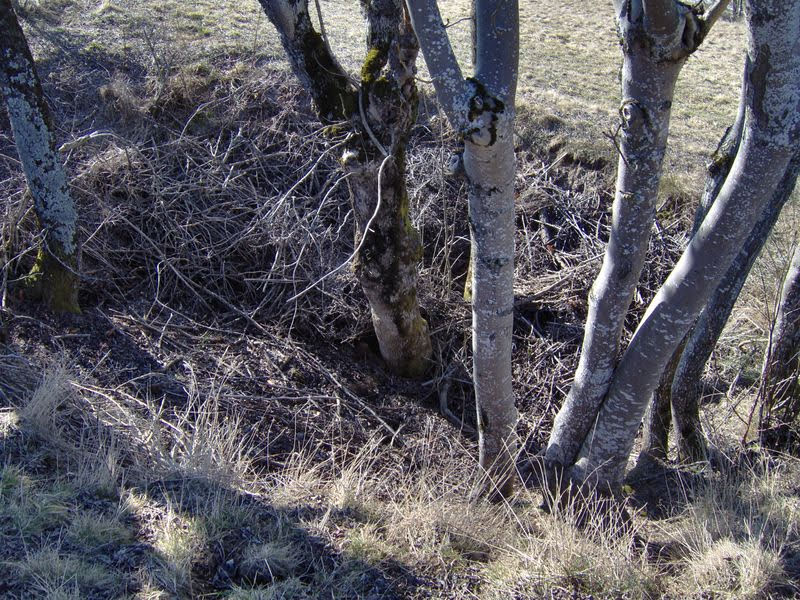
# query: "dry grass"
195,434
314,526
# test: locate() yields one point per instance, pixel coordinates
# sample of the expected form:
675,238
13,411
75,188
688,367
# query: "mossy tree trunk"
54,277
482,110
380,109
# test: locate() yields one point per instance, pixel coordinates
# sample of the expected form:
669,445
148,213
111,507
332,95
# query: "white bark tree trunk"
771,132
54,277
686,385
657,37
781,403
482,110
381,111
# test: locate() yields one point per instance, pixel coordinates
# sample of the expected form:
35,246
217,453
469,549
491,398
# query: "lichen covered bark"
380,112
312,62
771,134
687,385
653,55
490,172
481,109
54,277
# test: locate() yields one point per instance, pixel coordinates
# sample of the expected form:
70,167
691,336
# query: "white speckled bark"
655,49
771,132
482,109
56,277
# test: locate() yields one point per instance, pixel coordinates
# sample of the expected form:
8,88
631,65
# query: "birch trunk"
666,405
381,111
54,277
782,362
771,130
656,38
482,110
686,386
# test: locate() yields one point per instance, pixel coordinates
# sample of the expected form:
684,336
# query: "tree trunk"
687,387
665,403
482,110
771,132
656,37
683,382
54,277
781,403
381,111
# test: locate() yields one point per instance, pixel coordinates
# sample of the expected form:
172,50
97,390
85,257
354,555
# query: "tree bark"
481,109
667,405
381,112
54,277
656,38
686,386
771,132
781,404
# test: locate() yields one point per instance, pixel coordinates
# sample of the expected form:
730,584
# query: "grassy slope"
111,487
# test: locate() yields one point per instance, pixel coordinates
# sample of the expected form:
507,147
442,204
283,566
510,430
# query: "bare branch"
713,14
451,88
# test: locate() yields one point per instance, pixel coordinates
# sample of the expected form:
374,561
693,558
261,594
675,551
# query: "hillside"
194,433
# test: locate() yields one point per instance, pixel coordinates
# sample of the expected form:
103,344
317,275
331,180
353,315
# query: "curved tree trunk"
781,403
656,37
666,406
686,386
54,277
381,111
482,110
771,131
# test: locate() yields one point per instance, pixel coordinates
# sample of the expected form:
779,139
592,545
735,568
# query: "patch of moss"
333,95
53,281
374,62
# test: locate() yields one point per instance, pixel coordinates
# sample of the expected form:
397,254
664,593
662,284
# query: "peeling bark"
380,111
481,109
54,277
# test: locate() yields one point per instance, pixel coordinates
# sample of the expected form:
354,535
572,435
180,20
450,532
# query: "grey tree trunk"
380,110
686,386
771,132
657,37
666,406
54,277
482,110
781,403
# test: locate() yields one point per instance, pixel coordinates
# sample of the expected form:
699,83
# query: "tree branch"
451,88
497,46
713,14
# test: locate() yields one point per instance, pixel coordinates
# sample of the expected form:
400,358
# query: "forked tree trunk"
781,403
482,111
657,37
771,132
54,277
381,112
